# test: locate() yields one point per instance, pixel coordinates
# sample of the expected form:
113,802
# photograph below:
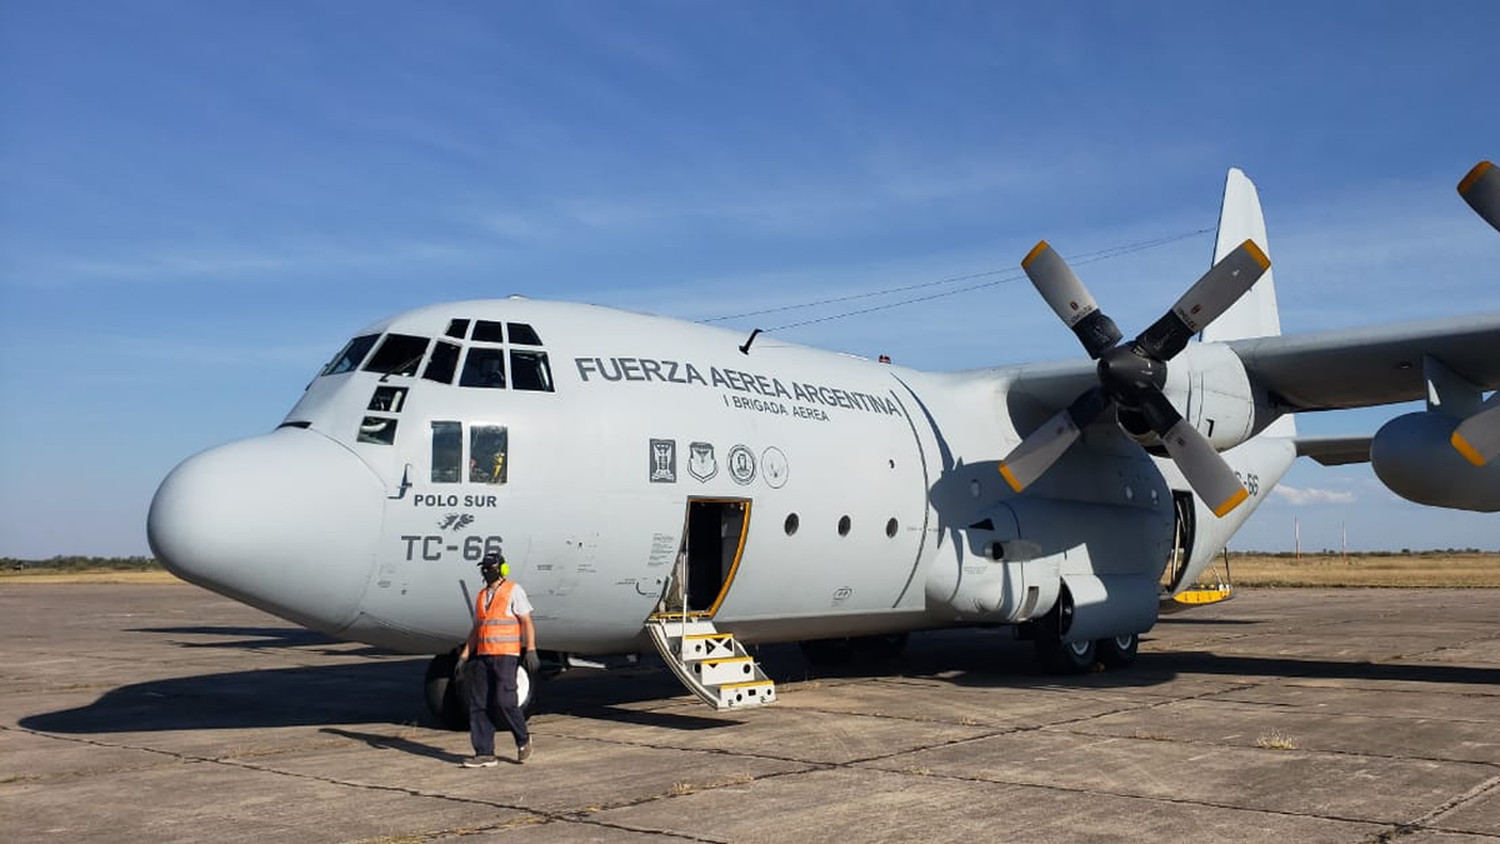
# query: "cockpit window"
443,364
447,451
523,335
458,328
378,430
487,447
398,355
484,368
529,371
488,332
353,353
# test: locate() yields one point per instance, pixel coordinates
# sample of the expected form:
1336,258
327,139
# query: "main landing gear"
1078,657
448,701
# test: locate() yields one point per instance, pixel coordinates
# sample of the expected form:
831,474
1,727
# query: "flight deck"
136,713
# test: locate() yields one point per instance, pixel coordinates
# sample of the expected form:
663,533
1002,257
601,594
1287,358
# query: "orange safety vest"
499,631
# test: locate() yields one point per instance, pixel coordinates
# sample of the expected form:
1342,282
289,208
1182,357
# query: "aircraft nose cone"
288,522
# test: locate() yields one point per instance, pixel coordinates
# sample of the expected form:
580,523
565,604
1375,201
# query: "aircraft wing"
1370,366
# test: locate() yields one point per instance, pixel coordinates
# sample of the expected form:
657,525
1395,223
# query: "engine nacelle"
1412,456
1208,385
1013,565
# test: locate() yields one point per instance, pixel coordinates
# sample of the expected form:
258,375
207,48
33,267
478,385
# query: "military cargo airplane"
660,483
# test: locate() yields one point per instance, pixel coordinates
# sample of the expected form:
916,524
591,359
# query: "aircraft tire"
1067,657
1052,652
444,698
1119,651
448,701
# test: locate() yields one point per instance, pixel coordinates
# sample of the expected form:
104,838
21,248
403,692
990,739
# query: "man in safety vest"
503,637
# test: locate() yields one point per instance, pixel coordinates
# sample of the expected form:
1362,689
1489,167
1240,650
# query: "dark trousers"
492,694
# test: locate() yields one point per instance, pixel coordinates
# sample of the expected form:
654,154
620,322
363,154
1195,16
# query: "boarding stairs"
712,664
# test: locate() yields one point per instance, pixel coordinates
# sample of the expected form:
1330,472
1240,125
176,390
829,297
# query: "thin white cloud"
1313,496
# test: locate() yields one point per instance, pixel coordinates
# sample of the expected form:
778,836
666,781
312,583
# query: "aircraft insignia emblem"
455,521
741,464
773,467
701,461
663,468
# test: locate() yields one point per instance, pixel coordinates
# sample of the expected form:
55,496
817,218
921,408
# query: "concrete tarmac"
135,713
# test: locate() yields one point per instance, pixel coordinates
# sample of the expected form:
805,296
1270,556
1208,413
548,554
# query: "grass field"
1431,568
1464,569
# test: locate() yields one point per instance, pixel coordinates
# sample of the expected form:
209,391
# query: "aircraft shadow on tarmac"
389,690
261,637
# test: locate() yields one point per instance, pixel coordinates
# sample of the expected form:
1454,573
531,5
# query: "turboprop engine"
1413,456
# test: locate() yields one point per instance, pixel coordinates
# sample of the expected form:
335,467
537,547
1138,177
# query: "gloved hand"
532,662
461,669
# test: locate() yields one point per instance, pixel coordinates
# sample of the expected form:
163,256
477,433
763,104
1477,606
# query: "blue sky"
200,202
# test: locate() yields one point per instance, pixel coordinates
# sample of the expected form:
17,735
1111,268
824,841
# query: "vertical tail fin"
1255,314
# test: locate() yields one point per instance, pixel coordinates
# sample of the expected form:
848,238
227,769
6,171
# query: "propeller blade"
1069,299
1478,437
1204,302
1041,448
1481,189
1205,470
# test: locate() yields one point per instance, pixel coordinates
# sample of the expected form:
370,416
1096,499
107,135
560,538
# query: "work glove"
461,669
532,662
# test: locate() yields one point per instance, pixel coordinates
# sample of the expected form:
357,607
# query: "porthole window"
890,528
844,524
792,523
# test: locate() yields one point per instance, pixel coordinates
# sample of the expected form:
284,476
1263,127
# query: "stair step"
710,663
725,670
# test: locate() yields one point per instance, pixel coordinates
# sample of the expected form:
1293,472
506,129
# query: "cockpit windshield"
353,353
399,354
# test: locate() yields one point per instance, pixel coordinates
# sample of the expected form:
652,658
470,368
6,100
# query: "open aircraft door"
713,542
711,663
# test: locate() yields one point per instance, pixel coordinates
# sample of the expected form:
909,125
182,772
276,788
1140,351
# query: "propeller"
1478,437
1132,374
1481,189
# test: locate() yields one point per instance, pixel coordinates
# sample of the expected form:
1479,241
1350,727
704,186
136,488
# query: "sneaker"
481,762
523,752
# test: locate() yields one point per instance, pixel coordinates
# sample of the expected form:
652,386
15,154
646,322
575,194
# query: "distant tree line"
1332,552
61,563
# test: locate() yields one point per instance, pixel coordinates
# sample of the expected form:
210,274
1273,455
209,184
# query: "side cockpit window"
488,445
399,354
529,371
352,354
447,452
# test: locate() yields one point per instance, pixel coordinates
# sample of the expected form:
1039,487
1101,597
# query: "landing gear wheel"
1068,657
1119,651
448,701
1052,652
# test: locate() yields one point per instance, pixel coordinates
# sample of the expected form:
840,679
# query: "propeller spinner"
1131,375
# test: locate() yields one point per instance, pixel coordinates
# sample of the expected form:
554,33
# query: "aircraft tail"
1255,314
